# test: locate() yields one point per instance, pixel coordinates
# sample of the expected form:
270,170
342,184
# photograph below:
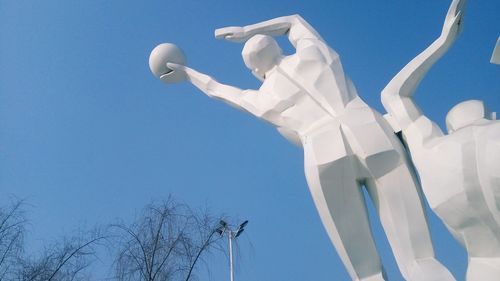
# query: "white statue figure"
495,58
311,102
460,172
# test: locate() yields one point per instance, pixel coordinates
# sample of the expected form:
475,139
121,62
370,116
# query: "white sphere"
158,59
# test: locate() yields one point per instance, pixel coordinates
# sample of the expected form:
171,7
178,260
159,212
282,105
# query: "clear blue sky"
87,134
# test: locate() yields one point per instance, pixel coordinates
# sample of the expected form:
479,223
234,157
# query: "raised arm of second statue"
397,95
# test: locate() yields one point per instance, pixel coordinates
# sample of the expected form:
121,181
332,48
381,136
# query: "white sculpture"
460,172
495,58
346,144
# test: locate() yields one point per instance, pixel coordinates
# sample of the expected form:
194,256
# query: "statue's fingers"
461,8
175,66
222,33
452,11
458,21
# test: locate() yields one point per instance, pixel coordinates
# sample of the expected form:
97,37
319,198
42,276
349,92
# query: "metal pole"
230,235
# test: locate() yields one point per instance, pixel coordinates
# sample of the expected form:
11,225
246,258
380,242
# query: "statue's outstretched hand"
232,33
200,80
453,23
178,68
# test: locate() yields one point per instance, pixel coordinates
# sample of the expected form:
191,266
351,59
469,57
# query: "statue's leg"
341,206
398,202
483,269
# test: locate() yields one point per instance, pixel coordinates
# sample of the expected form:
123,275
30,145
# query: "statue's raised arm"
397,95
294,26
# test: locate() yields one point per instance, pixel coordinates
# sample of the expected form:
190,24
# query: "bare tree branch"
75,252
12,227
170,238
65,260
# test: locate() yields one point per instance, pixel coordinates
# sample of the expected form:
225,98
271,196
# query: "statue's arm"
397,95
233,96
294,26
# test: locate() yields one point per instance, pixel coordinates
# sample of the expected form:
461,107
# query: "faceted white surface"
460,172
311,102
495,58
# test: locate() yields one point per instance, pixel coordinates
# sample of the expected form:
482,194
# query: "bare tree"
165,243
65,260
12,222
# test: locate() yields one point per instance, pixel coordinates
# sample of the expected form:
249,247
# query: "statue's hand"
453,23
232,33
175,67
199,79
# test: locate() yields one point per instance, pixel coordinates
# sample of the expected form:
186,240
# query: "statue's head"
466,113
261,53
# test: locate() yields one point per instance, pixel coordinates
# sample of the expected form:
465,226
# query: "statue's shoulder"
490,130
279,82
312,49
423,133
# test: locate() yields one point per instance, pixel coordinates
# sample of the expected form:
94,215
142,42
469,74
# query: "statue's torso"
460,176
308,92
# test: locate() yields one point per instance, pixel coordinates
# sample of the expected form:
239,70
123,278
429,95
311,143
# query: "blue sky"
88,135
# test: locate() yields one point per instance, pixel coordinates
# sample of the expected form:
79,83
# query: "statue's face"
466,113
261,53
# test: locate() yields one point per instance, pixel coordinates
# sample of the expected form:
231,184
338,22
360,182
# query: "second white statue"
460,171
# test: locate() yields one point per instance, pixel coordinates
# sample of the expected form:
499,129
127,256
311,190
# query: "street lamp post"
231,234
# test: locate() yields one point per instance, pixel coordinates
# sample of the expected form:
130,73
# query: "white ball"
158,59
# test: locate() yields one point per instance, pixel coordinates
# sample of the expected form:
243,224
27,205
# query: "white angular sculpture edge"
495,57
346,144
460,172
